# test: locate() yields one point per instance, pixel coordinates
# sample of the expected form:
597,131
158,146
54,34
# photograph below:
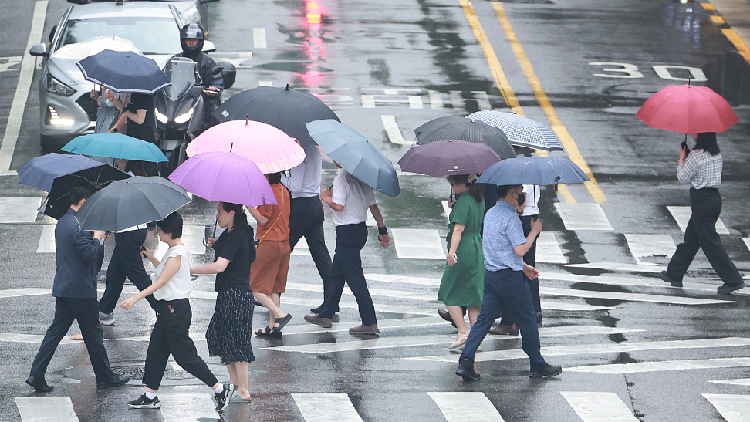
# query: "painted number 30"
630,71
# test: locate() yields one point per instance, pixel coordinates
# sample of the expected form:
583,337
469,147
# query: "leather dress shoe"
665,276
505,330
726,289
365,329
446,316
39,384
317,320
545,371
466,369
114,381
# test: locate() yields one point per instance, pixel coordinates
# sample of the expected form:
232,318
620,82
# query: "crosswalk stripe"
19,209
618,266
645,245
631,281
259,37
46,240
466,407
682,216
740,381
597,348
593,406
30,338
23,292
583,216
732,407
326,407
418,243
46,409
548,250
633,297
346,325
393,278
301,248
666,365
180,407
392,130
390,342
407,310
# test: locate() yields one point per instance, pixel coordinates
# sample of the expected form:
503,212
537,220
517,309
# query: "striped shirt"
701,169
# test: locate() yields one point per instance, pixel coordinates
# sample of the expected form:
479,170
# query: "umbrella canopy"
127,203
221,176
123,71
356,155
115,145
533,171
285,109
94,45
95,177
460,128
688,109
445,158
520,131
268,147
40,172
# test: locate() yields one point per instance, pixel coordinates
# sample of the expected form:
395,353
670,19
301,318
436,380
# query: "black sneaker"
114,381
539,318
545,371
222,399
664,276
144,402
466,369
726,289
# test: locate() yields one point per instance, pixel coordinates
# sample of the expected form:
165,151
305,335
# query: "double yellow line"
510,97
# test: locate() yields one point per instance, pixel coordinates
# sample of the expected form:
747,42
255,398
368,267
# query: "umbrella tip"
230,147
287,87
247,120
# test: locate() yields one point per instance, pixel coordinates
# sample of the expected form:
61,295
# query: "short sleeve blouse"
233,246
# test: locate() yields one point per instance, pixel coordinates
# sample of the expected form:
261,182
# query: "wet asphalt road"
409,62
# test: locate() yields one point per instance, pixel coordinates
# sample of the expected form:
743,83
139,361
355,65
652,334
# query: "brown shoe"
317,320
365,329
505,330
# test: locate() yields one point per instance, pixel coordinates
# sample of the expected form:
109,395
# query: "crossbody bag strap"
274,222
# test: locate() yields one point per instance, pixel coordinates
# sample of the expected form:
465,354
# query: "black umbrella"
94,177
285,109
454,128
123,71
130,202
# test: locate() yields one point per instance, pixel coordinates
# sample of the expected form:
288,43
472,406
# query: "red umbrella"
688,109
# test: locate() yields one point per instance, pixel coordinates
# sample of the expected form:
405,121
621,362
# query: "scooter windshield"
181,72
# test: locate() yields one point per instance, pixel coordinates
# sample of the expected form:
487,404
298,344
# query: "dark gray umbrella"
533,171
461,128
130,202
445,158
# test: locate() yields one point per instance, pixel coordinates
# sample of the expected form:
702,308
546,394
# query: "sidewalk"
737,14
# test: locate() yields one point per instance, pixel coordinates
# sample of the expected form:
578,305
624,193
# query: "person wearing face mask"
504,246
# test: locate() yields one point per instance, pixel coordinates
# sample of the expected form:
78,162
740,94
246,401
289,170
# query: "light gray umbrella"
533,171
455,128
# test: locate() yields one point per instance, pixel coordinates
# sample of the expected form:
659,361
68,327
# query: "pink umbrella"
688,109
221,176
270,148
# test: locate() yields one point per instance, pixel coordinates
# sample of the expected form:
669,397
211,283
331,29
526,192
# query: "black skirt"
231,327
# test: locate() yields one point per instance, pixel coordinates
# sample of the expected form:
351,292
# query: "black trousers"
171,335
705,207
529,258
347,268
86,312
306,219
126,262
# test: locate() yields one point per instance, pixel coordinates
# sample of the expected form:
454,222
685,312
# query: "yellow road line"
570,146
708,6
740,45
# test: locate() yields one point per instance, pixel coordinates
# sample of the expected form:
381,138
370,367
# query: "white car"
66,109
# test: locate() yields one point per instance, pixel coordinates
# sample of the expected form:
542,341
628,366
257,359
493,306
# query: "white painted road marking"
666,365
745,382
259,37
46,409
418,243
631,281
47,240
183,406
618,266
682,216
301,248
15,118
18,209
326,407
583,216
598,348
30,338
10,61
598,407
732,407
28,291
548,250
646,245
633,297
392,130
466,407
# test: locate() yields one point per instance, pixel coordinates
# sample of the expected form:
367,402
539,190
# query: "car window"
151,36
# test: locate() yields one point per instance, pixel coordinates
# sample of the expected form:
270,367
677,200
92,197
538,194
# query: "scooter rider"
191,40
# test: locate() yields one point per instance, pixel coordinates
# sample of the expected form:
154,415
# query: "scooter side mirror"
39,50
208,47
196,90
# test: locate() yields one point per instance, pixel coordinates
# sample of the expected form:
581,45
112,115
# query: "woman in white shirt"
170,335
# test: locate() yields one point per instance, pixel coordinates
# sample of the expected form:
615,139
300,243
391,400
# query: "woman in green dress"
463,279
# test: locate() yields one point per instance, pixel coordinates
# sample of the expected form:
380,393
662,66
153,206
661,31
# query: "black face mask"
521,198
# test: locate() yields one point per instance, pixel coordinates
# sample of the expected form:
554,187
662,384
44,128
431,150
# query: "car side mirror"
39,50
208,47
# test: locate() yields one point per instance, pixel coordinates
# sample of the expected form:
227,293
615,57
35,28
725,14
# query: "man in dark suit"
79,257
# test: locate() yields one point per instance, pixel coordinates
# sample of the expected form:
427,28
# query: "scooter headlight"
182,118
160,117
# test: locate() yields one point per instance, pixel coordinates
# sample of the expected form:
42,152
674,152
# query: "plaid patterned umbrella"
521,131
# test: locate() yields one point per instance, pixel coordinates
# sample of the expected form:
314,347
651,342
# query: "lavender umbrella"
227,177
445,158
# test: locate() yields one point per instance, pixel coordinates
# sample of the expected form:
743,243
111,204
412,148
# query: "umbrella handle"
557,179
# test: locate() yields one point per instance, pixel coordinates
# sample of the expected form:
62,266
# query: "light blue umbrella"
533,171
521,131
115,145
355,154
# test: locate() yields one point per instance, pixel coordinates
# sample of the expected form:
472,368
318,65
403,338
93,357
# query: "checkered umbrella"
521,131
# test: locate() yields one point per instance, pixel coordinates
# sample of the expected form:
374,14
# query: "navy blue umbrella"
123,71
40,172
533,171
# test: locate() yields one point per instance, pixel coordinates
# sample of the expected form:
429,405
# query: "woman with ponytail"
231,327
463,279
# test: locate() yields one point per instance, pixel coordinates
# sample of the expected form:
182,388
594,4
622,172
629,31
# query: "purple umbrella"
445,158
223,176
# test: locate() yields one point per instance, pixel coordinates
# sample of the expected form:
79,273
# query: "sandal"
282,322
268,332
